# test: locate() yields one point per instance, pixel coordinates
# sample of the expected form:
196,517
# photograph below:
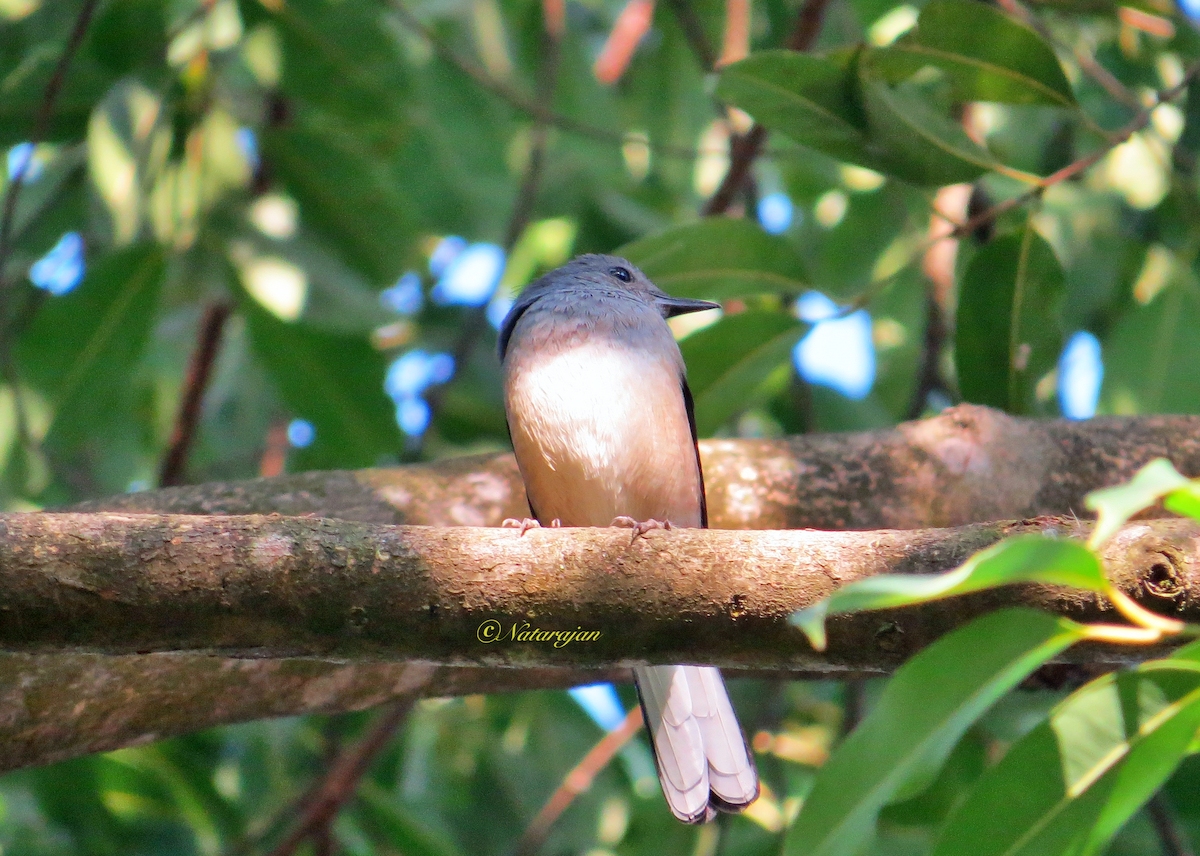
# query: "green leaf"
1185,501
348,43
1008,334
917,143
918,719
83,346
336,383
728,361
809,98
1026,558
1071,783
985,54
1115,505
1151,354
717,258
346,195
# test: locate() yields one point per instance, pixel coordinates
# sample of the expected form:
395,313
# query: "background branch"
745,148
966,464
317,808
195,382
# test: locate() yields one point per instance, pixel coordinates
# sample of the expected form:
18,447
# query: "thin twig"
577,782
1170,836
195,382
1136,124
744,149
325,799
1039,186
41,126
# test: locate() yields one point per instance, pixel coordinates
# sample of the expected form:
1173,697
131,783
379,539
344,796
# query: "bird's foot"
527,523
640,527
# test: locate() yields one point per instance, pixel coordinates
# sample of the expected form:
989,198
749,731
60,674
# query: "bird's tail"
703,761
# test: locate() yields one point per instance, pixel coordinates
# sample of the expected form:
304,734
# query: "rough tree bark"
967,465
65,689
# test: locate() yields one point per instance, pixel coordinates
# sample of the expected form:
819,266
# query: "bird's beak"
672,306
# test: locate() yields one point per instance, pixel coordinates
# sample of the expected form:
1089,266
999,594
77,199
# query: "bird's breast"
601,430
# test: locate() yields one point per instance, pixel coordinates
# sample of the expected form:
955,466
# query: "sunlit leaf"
1008,330
986,55
1115,505
1026,558
922,713
718,258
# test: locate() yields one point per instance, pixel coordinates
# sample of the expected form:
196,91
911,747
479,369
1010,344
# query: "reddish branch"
195,382
745,148
317,808
577,781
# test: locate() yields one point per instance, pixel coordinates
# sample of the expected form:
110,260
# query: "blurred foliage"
305,161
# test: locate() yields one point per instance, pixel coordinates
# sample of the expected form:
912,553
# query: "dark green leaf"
1026,558
986,55
84,345
916,143
346,195
921,715
718,258
728,361
808,98
1151,354
334,382
1008,333
1072,782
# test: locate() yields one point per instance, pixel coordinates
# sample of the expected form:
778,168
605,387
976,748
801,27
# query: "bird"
603,426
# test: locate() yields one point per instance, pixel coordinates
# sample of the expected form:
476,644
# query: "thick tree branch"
965,465
258,586
307,594
58,706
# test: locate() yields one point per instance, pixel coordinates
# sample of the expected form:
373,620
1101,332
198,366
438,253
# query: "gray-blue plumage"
600,416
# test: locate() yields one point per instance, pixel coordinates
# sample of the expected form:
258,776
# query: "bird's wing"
690,405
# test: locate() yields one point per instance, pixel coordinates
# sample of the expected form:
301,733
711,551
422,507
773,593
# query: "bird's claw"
527,523
640,527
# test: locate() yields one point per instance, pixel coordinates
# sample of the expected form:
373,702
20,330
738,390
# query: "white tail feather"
703,761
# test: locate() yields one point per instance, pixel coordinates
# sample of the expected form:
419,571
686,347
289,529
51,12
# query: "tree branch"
744,149
195,382
967,464
262,609
259,586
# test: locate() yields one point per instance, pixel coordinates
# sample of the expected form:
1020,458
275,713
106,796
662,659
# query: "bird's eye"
621,273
